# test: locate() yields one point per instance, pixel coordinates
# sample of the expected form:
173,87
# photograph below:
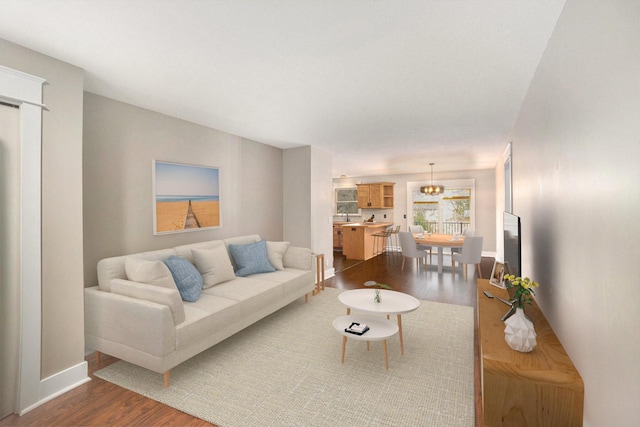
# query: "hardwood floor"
100,403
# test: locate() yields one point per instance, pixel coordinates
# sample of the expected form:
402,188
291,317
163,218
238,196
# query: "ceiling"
385,86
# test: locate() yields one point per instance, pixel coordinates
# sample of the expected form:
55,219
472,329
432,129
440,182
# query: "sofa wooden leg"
166,379
98,357
306,298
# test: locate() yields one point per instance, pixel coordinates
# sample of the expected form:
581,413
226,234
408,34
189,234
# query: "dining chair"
417,229
471,254
410,248
469,232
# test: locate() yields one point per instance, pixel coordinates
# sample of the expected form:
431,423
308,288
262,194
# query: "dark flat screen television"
512,246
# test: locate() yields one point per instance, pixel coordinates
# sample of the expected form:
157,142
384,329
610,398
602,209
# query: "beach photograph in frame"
498,273
185,197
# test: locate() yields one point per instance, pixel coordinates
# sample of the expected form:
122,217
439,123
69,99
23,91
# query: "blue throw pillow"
251,258
188,279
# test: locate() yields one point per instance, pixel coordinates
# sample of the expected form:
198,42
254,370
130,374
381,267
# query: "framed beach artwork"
185,197
498,273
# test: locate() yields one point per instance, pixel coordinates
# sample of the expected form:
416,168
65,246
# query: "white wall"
485,198
9,256
120,143
576,155
322,205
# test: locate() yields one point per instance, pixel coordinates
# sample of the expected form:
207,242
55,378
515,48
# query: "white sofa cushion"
214,265
149,272
299,258
275,252
206,317
293,280
186,251
169,297
113,268
252,294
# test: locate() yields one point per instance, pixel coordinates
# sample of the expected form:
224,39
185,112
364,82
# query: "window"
449,213
347,201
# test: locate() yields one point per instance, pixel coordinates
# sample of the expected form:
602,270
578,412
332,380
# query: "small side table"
393,302
319,274
379,330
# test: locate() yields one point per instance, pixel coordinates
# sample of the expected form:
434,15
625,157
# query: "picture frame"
497,274
185,197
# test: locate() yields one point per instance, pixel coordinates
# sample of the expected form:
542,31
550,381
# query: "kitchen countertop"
364,224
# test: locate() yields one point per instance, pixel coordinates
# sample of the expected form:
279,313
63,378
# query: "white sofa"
149,324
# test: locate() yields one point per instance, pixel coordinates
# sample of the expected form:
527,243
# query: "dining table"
439,241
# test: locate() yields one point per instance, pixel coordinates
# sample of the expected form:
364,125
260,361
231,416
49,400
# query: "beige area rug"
285,371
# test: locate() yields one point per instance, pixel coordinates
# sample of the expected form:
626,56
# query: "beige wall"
297,197
120,143
308,200
62,270
576,154
485,201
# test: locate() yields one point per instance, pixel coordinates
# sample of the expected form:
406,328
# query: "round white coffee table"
391,302
379,330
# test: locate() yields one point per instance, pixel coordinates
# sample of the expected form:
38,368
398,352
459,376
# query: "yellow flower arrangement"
523,288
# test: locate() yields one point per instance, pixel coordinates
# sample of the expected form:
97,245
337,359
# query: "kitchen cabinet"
375,195
358,239
337,235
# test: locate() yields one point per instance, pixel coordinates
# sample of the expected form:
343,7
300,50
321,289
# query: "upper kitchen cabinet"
375,195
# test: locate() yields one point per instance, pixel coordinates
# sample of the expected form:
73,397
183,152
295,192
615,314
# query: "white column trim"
25,91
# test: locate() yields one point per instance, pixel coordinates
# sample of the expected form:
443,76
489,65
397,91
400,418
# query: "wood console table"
540,388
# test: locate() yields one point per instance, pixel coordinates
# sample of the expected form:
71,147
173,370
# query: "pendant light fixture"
432,190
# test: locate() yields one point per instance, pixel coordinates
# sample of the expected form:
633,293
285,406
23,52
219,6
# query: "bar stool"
392,233
384,235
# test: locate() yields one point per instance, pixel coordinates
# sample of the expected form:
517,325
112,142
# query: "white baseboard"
330,272
60,383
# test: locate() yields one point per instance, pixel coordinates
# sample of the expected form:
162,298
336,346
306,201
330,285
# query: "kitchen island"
358,240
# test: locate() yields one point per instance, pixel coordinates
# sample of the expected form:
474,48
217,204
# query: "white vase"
519,332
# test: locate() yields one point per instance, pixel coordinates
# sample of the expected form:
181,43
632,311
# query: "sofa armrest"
300,258
169,297
130,322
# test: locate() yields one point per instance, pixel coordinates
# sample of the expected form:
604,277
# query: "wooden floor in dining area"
425,284
100,403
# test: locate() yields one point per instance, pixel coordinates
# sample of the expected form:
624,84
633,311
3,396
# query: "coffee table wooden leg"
400,334
348,311
344,346
386,358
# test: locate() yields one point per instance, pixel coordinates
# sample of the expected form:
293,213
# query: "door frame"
25,91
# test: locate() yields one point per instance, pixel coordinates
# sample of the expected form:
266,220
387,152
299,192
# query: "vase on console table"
519,332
